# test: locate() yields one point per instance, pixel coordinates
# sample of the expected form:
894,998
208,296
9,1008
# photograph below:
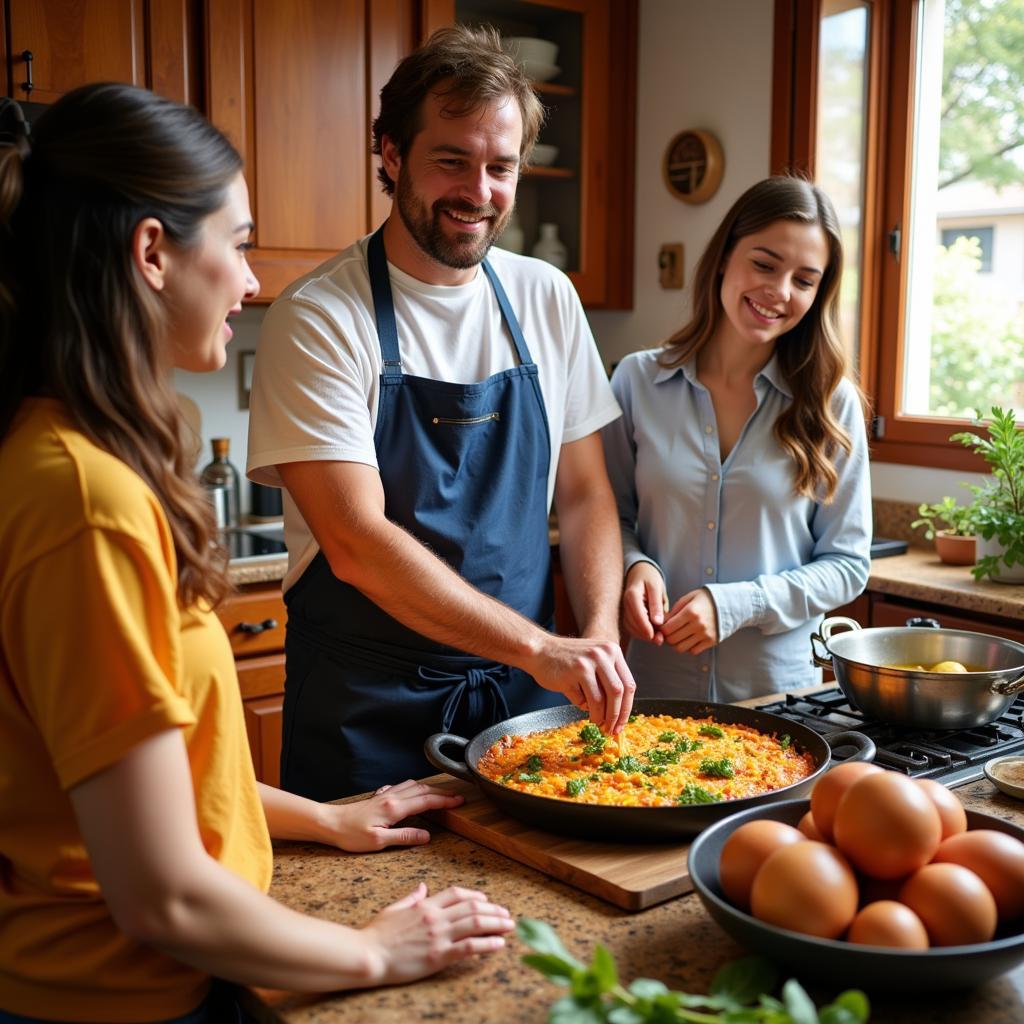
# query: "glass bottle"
221,475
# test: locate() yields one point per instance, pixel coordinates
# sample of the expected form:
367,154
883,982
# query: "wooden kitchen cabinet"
254,620
591,105
149,43
888,611
294,86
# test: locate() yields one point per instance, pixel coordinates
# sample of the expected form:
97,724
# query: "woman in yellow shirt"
134,839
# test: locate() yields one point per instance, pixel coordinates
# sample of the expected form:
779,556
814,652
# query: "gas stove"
953,757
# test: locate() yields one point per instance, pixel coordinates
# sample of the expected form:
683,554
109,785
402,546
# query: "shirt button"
707,430
714,476
711,526
708,571
704,668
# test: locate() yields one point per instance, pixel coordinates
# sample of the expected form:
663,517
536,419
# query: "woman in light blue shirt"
740,462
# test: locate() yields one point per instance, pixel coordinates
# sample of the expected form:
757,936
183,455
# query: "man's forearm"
590,550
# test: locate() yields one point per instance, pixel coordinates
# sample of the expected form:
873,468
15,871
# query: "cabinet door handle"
256,627
27,85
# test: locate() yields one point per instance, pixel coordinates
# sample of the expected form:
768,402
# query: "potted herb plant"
998,507
954,543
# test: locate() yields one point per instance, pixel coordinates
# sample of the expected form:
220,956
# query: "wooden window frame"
913,440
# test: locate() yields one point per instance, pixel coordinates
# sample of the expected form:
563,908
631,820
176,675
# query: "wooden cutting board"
631,875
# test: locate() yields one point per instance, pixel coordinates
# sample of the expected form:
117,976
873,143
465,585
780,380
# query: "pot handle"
826,629
1006,689
865,745
432,751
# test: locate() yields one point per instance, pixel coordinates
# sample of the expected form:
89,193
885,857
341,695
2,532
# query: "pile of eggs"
880,859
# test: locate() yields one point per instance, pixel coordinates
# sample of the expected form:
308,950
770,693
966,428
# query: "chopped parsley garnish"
590,733
529,777
694,794
632,718
629,764
509,777
666,737
786,742
656,755
711,730
684,746
720,769
575,786
650,769
533,764
597,747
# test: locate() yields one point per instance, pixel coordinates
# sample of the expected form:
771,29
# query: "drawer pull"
252,628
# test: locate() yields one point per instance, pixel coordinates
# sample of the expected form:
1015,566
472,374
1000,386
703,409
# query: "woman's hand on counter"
421,934
360,827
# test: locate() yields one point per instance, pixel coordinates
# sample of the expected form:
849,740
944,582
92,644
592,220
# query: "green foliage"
720,768
694,794
998,507
977,344
959,519
740,992
982,119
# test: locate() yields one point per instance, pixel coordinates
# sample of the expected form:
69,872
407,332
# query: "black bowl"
873,968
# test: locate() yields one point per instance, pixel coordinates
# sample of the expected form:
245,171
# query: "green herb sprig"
740,992
717,769
691,793
711,730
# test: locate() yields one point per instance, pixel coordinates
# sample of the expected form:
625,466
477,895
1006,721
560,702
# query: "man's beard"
461,251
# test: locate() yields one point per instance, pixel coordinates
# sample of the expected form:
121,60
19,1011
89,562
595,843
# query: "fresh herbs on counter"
740,992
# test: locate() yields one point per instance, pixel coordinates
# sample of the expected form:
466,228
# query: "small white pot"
1006,573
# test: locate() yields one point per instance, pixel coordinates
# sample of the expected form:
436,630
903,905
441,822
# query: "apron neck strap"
384,307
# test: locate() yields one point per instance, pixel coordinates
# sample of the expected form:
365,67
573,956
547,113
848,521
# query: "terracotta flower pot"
954,550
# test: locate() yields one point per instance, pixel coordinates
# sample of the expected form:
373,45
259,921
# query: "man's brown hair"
468,68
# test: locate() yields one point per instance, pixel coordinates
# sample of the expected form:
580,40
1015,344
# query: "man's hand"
644,603
592,674
691,626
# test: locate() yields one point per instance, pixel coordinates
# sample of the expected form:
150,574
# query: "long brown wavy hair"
811,355
77,321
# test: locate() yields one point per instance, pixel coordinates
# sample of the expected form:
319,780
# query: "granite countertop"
676,942
920,575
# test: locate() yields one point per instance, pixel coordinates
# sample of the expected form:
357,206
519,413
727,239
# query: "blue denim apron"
465,471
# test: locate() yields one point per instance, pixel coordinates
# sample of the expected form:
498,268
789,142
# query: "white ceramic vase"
549,247
1006,573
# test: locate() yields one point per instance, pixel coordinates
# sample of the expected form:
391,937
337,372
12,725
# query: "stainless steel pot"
860,660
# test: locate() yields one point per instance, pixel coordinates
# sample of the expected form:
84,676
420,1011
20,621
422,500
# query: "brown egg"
809,829
955,904
888,923
746,850
887,825
807,887
997,859
829,789
951,811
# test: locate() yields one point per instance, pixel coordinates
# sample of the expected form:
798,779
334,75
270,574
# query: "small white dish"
996,771
540,72
543,155
530,48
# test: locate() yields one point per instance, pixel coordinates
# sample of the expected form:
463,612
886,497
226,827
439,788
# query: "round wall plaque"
693,166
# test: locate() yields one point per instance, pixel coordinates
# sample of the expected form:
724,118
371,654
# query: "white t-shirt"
316,383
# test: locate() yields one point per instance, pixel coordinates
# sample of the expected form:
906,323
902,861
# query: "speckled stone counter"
676,942
265,570
920,576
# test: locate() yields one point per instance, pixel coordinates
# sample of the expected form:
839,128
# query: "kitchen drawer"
889,613
254,622
261,676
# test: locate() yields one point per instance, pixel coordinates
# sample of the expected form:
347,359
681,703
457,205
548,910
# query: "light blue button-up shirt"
774,561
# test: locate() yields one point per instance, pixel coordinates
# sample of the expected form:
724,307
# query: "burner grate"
952,757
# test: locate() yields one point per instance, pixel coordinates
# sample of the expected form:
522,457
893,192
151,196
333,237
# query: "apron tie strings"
470,686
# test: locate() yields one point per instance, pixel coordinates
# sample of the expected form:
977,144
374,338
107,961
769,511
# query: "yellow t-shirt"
95,657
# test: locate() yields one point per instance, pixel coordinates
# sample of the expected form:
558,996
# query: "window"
982,249
910,113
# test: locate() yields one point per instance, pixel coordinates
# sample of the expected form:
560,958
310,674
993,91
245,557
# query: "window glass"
963,330
839,146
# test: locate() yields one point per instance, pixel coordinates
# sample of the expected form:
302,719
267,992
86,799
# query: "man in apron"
422,402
